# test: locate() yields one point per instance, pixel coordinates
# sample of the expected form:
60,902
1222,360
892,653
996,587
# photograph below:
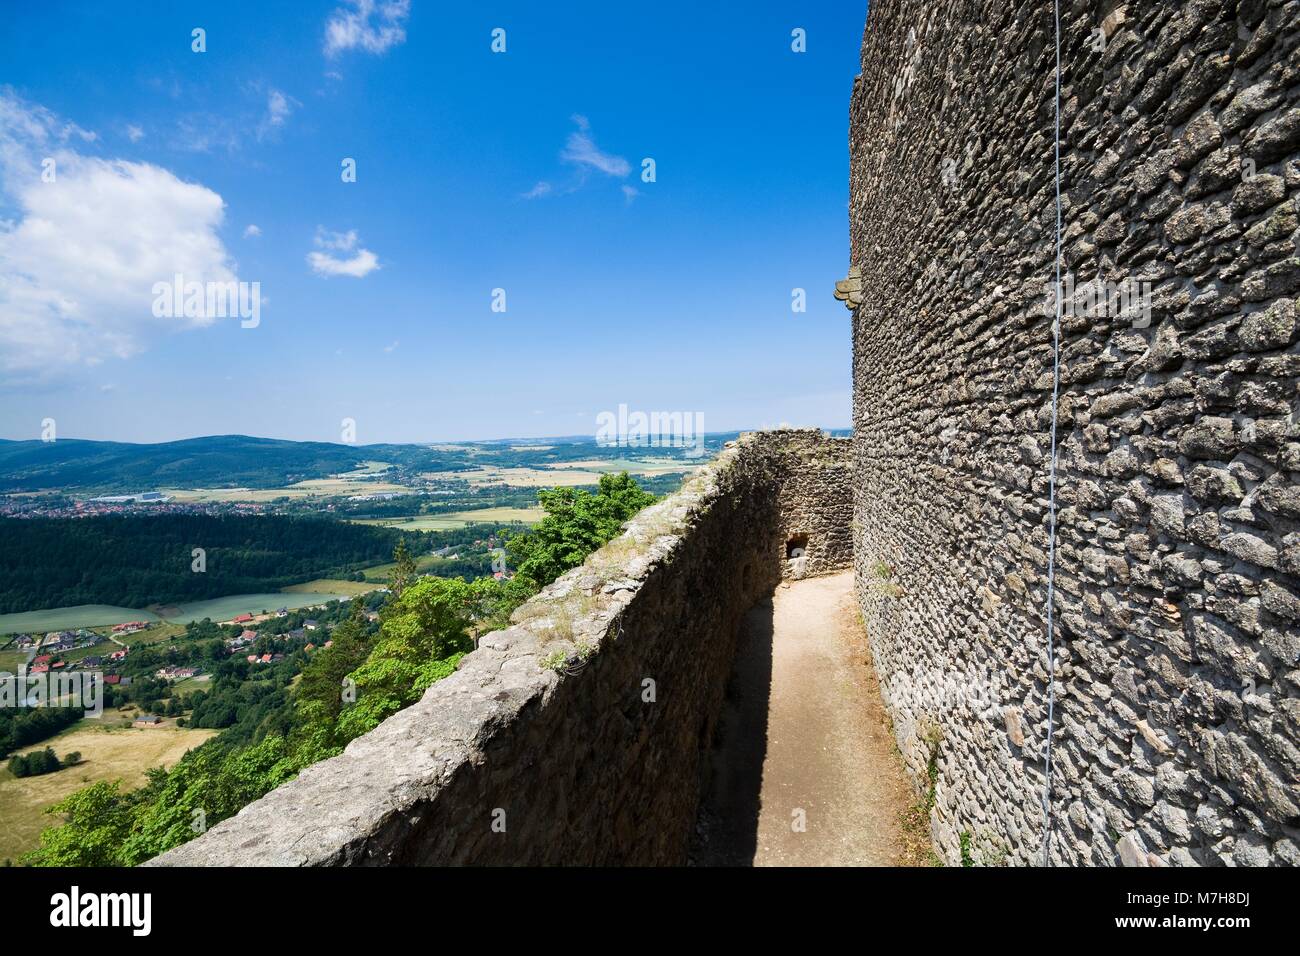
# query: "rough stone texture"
1178,561
586,769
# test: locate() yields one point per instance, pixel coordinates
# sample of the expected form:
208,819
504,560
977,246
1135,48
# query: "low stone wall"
575,736
1177,720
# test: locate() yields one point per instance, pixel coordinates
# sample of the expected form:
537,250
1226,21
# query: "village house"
172,673
147,720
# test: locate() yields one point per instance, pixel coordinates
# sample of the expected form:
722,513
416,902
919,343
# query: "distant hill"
213,462
239,461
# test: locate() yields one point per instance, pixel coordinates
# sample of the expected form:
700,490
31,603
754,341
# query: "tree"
99,820
404,572
576,524
319,697
422,636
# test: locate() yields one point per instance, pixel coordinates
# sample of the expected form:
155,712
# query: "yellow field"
586,471
658,466
107,753
528,477
329,586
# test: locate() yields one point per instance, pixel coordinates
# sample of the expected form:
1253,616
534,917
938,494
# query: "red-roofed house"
43,659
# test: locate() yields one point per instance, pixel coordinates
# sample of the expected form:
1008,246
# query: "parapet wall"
1177,725
576,735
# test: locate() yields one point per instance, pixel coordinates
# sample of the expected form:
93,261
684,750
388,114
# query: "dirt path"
803,768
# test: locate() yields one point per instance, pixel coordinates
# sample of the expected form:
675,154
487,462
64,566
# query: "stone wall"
575,736
1178,561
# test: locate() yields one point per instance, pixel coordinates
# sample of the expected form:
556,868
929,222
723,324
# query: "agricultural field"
458,519
226,608
66,618
218,609
329,586
10,661
585,471
314,487
110,750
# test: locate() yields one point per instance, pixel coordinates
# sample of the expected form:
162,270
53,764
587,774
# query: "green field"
225,608
64,618
219,609
329,587
458,519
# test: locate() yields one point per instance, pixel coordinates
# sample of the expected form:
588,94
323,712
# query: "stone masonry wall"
582,727
1178,563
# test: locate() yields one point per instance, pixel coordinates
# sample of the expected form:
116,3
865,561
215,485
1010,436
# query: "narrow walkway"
803,768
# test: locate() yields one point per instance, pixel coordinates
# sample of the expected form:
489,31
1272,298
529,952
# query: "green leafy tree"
422,636
404,572
99,820
576,524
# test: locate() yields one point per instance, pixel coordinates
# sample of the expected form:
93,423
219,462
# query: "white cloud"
580,150
278,108
252,231
323,264
391,348
370,25
630,193
134,133
79,258
538,191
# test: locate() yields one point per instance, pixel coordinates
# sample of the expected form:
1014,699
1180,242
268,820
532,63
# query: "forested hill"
134,561
217,461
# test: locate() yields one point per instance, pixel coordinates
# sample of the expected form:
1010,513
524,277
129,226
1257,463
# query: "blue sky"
376,295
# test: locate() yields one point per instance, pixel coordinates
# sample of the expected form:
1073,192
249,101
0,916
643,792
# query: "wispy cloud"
537,192
370,25
134,133
581,150
359,264
278,108
252,231
630,193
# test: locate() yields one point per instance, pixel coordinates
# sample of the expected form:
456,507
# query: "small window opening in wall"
797,546
744,576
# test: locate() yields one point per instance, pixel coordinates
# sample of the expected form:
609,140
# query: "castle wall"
1178,557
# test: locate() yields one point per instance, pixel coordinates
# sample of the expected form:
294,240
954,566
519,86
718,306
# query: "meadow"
457,519
218,609
110,750
63,618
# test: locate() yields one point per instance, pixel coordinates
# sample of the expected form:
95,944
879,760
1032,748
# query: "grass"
226,608
330,586
456,519
918,850
107,753
67,618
